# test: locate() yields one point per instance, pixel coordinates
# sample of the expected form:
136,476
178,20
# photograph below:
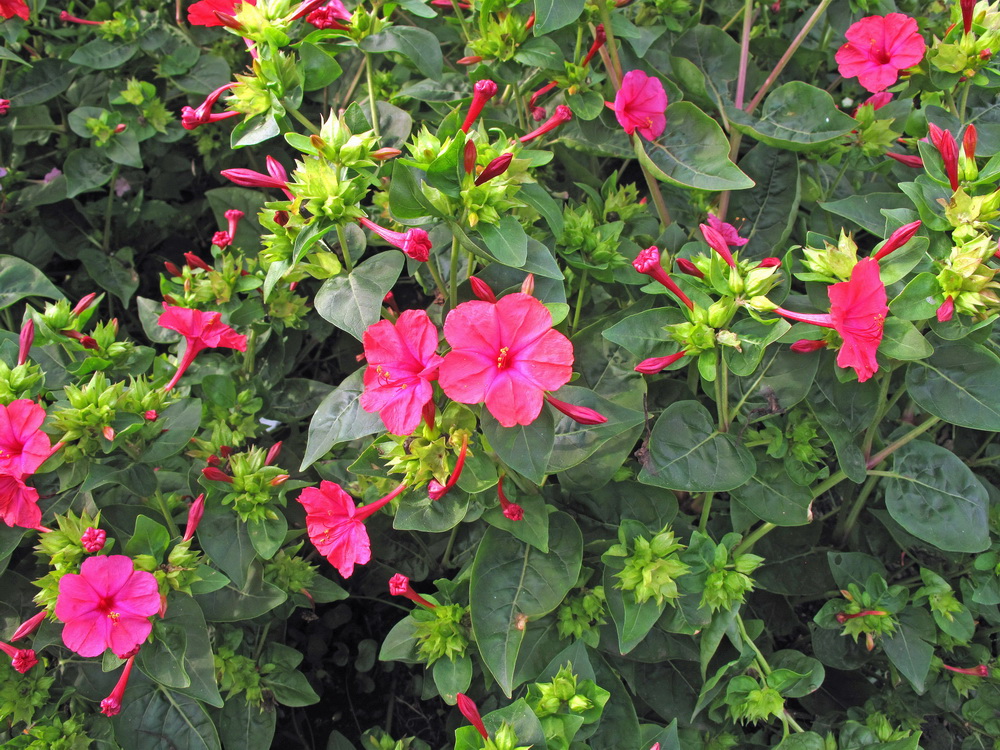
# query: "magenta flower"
195,512
23,448
471,712
482,92
506,356
641,104
878,47
192,117
201,330
276,177
337,527
329,16
11,8
415,243
897,239
22,659
648,262
107,605
402,364
93,539
29,626
112,705
561,114
947,146
579,414
718,243
727,231
399,585
202,13
511,511
654,365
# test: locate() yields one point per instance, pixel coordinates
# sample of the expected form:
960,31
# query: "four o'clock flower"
654,365
600,37
11,8
195,512
194,117
909,160
505,355
402,364
329,16
415,243
276,177
436,490
980,671
112,705
946,311
561,114
878,47
641,104
201,330
67,18
469,710
686,266
29,626
22,659
897,239
399,585
729,233
511,511
967,7
25,340
107,605
718,243
494,169
946,145
203,12
337,527
482,92
805,346
579,414
23,448
857,312
648,262
93,539
225,238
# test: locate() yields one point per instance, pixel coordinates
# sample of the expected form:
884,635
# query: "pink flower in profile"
201,330
505,355
107,605
112,705
22,659
641,104
727,231
857,312
11,8
337,527
23,448
194,117
878,47
202,13
414,242
19,503
402,364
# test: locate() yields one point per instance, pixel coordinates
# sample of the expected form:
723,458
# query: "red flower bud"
216,475
28,626
470,712
967,7
436,490
981,671
399,585
25,340
648,262
67,18
946,145
600,37
384,154
495,168
273,452
482,290
718,243
511,511
112,705
195,512
470,60
969,142
804,346
579,414
769,263
172,269
910,160
686,266
947,310
93,539
654,365
22,659
194,261
528,285
84,304
470,157
109,433
897,239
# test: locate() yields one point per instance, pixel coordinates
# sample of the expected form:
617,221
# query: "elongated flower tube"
29,626
511,511
414,242
533,101
981,671
22,659
195,512
654,365
648,262
482,92
562,114
843,617
399,585
436,490
946,145
276,177
494,169
225,238
579,414
909,160
201,330
67,18
194,117
897,239
967,7
25,340
112,705
469,710
600,37
718,243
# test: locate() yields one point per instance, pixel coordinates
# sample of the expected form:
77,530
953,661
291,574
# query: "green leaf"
338,419
918,300
633,621
151,711
44,80
910,654
797,117
432,516
686,452
506,241
772,496
231,604
180,421
452,677
113,273
353,301
513,583
149,538
268,535
86,169
406,199
902,340
524,448
771,206
246,726
754,339
937,498
255,129
575,443
447,171
866,210
533,529
100,54
958,383
692,152
554,14
198,658
226,541
163,659
20,279
206,76
705,61
417,45
319,67
642,334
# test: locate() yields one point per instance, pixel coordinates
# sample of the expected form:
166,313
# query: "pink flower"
276,177
505,355
947,146
897,239
399,585
561,114
23,445
482,92
4,109
107,605
469,710
202,13
19,503
11,8
857,312
29,626
329,16
718,243
600,37
805,346
22,659
579,414
337,527
402,364
112,705
654,365
494,169
192,118
511,511
641,104
195,512
414,242
25,340
946,311
686,266
648,262
201,330
93,539
878,47
727,231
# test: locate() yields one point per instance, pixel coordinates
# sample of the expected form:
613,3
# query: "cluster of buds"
651,567
441,632
728,580
64,547
581,616
430,454
250,483
90,416
750,701
567,693
21,380
504,738
869,612
501,34
966,281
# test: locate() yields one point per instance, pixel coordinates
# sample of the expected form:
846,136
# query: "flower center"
385,378
503,358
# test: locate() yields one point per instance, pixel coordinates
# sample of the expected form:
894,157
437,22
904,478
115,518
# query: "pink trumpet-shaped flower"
276,177
648,262
337,527
414,242
67,18
511,511
561,114
718,243
201,330
482,92
29,626
469,710
194,117
399,585
505,355
107,605
857,312
641,104
112,705
22,659
947,146
979,671
402,364
23,448
730,234
579,414
533,101
878,47
654,365
203,12
225,238
897,239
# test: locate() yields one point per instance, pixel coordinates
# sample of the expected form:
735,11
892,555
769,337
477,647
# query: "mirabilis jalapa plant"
659,380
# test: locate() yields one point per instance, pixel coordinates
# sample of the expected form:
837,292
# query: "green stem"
762,664
303,120
453,274
249,356
866,446
612,47
446,557
723,402
654,191
161,501
836,180
461,20
706,507
522,120
896,445
846,524
369,76
432,266
579,301
964,100
348,264
796,43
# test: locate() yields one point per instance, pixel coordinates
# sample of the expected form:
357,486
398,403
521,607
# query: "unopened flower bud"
804,346
686,266
29,626
528,285
93,539
561,114
399,585
495,168
897,239
579,414
216,475
279,480
470,60
25,340
482,92
195,512
654,365
470,157
946,310
84,303
384,154
22,659
109,433
150,415
469,710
